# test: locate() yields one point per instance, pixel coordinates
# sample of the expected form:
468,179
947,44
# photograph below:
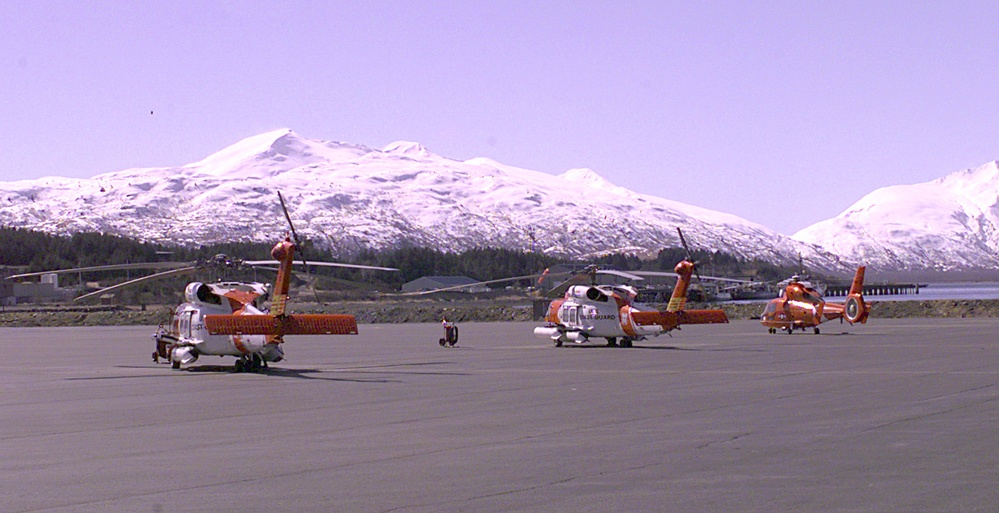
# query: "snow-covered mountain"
350,197
951,223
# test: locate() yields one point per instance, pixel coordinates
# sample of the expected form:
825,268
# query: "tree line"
38,251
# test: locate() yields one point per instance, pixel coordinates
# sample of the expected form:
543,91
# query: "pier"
885,289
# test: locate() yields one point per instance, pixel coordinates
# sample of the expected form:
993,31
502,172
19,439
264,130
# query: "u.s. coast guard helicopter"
591,311
228,318
610,312
801,306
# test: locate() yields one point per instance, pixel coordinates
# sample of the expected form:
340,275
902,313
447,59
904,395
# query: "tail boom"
672,320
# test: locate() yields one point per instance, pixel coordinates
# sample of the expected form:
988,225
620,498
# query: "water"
966,290
970,290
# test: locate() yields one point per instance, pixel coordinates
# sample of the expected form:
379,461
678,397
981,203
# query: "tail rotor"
855,308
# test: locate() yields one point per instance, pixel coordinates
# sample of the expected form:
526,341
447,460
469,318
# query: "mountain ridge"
350,198
947,224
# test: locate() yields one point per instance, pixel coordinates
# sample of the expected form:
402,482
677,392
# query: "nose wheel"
250,363
613,342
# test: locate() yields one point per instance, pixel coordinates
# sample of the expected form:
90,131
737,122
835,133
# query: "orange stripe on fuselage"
237,340
553,309
627,320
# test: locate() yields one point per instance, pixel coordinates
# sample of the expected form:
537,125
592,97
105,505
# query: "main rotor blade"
157,276
476,284
621,274
690,258
560,289
705,278
685,246
324,264
287,217
110,267
591,272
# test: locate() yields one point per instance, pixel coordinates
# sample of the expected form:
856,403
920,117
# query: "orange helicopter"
801,306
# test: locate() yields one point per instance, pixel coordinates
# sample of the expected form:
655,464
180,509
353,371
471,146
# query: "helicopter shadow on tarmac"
312,373
229,369
664,348
813,336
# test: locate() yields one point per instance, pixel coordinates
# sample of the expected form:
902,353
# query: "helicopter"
228,318
801,306
610,312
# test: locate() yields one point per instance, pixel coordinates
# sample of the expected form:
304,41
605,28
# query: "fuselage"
188,337
596,311
798,306
610,312
801,306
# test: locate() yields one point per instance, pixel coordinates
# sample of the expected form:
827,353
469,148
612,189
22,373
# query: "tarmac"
896,415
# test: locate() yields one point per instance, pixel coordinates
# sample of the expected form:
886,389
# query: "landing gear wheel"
238,366
816,331
558,343
626,343
612,342
443,342
175,364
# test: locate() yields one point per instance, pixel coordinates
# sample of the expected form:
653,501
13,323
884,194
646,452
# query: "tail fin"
857,287
856,309
678,301
284,252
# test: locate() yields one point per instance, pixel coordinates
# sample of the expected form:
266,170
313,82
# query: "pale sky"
784,113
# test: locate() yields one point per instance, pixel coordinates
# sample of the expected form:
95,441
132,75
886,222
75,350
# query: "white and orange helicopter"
228,318
610,311
801,306
592,311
